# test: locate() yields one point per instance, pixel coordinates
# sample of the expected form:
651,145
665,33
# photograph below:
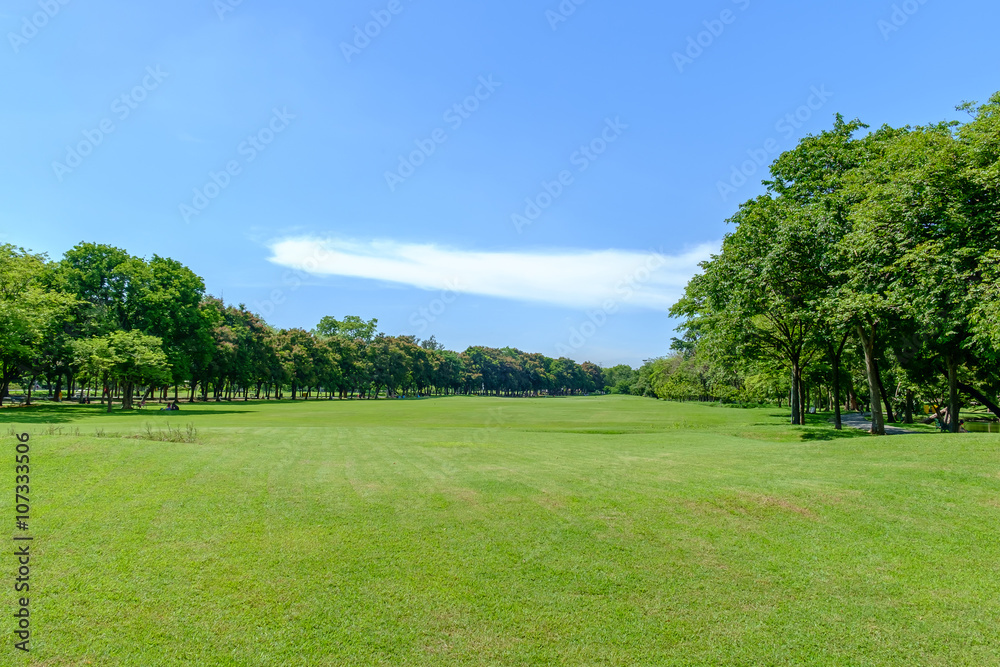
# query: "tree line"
868,274
106,323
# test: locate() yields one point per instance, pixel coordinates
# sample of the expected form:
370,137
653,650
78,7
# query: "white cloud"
572,278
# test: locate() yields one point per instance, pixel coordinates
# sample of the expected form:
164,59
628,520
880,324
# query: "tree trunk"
127,392
909,406
987,402
107,392
803,399
954,409
838,424
868,344
890,417
794,396
4,387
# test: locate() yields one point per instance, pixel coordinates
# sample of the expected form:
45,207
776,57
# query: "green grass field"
474,531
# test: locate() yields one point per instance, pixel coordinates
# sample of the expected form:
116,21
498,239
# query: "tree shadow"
818,427
36,414
830,433
48,413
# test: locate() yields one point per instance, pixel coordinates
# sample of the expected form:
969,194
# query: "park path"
858,421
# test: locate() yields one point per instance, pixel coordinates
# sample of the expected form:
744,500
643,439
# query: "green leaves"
351,327
892,234
124,356
30,313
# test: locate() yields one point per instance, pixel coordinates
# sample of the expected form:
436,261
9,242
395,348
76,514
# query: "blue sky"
525,173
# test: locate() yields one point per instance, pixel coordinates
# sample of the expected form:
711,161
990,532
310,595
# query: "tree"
918,197
119,292
327,368
450,371
594,375
100,276
619,378
167,306
298,354
130,358
29,312
822,173
980,140
96,360
389,364
432,344
351,327
761,293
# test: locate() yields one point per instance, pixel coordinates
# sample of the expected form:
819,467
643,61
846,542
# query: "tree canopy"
103,318
879,249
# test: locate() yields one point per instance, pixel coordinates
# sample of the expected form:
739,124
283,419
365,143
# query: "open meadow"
476,531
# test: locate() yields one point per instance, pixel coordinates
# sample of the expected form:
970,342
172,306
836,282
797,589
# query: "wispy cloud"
650,279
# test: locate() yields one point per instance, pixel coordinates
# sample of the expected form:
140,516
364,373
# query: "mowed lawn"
475,531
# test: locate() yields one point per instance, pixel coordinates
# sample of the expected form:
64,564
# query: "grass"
590,531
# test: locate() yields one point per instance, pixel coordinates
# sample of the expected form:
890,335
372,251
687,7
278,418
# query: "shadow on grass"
38,414
48,413
832,434
818,427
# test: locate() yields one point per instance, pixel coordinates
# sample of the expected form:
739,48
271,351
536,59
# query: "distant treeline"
868,274
102,321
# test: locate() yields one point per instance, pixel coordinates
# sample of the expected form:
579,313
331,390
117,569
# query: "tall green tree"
351,327
761,294
30,312
130,358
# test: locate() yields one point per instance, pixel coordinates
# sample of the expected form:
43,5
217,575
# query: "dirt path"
858,421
